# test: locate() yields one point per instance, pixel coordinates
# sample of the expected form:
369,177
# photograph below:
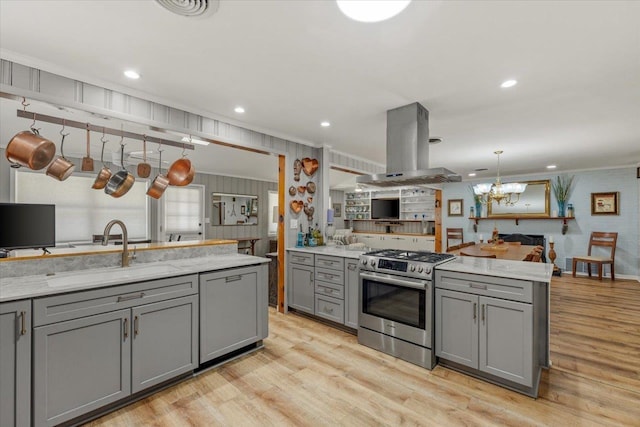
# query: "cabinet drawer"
86,303
331,262
330,308
330,276
301,258
330,289
509,289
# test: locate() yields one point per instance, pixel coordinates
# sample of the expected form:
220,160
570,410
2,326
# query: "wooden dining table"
501,251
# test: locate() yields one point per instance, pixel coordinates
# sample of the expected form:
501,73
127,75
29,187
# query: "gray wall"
337,196
576,241
232,185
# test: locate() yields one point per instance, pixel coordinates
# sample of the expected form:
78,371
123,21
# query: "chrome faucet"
125,245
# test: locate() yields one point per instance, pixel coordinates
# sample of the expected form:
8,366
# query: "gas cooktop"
407,263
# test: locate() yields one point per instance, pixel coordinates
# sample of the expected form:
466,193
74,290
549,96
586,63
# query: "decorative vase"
478,210
561,208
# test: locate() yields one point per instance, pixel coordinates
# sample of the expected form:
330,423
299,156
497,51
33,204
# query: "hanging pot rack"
95,128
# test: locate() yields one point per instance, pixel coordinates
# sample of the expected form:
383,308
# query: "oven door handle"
405,283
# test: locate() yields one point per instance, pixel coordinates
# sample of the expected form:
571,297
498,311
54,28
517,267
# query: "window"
273,213
183,212
82,211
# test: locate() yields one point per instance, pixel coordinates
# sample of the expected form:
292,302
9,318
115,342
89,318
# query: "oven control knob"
427,270
363,261
412,268
373,262
420,269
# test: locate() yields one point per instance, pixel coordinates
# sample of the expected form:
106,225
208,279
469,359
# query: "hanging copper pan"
122,181
29,149
181,172
61,168
160,183
144,168
105,173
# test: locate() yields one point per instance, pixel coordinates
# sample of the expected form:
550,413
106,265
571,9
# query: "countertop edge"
535,272
37,286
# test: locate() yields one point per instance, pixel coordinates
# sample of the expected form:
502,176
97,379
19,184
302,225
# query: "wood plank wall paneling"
233,185
309,374
337,196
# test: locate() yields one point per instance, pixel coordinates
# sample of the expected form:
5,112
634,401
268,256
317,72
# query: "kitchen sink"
109,274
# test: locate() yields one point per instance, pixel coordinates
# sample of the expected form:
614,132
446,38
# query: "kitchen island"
77,344
492,320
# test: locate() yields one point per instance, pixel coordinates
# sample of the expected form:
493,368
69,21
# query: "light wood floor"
311,374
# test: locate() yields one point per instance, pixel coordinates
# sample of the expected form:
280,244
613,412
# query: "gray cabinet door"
506,339
15,364
80,365
164,341
457,327
301,296
230,310
351,284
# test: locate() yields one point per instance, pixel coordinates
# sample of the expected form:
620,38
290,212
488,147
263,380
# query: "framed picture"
455,207
337,210
242,210
605,203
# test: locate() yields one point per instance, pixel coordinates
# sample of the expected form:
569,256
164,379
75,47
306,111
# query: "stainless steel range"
396,303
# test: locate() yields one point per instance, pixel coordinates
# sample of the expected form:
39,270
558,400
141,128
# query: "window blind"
183,210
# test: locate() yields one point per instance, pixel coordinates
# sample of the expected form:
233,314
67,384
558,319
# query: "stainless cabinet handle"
352,267
483,315
328,276
233,278
126,328
23,323
327,262
311,276
476,286
475,308
298,258
135,326
328,310
130,297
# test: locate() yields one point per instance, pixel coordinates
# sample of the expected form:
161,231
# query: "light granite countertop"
534,271
340,251
16,288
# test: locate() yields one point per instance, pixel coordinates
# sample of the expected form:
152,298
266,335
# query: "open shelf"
518,218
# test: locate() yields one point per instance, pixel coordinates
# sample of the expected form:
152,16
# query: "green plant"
562,187
477,199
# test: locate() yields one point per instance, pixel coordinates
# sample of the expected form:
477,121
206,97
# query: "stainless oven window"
393,302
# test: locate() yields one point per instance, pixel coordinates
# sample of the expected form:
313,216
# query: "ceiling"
293,64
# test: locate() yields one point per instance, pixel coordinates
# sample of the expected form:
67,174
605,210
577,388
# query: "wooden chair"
454,234
453,248
478,256
601,239
535,255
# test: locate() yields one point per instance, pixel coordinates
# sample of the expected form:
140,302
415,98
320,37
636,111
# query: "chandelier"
508,193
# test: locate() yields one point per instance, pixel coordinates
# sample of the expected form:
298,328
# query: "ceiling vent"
190,8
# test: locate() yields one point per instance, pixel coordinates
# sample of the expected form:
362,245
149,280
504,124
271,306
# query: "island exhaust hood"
408,151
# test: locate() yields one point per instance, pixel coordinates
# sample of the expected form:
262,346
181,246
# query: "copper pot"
121,182
181,172
29,149
61,168
159,184
104,174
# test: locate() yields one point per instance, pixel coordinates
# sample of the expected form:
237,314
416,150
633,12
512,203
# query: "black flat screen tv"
385,208
27,226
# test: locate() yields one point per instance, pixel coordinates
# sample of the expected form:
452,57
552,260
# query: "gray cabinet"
491,335
301,283
233,310
15,364
80,365
329,288
351,295
122,340
164,341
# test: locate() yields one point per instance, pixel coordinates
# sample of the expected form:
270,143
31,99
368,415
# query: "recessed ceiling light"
239,109
134,75
472,174
508,83
372,10
551,167
325,124
194,141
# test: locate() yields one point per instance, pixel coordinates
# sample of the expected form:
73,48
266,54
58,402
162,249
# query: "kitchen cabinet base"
529,391
327,322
